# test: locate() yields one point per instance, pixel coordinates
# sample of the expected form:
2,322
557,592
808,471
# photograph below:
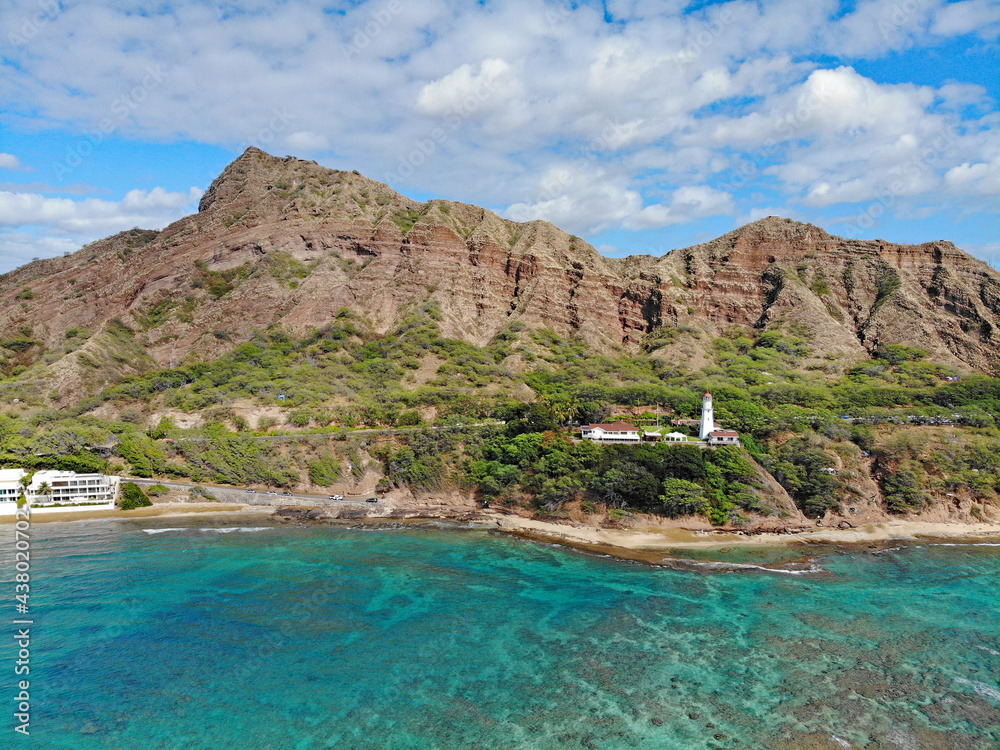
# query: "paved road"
237,495
342,435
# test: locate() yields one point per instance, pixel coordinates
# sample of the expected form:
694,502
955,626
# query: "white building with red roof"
616,432
723,437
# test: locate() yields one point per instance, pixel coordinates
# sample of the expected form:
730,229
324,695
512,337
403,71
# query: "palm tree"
563,407
24,482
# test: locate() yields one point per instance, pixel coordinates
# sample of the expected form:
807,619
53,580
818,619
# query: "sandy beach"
159,510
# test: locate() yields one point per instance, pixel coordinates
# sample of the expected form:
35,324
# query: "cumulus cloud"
63,224
591,201
686,204
829,103
18,248
9,161
461,88
579,200
981,17
732,104
493,94
151,209
306,140
982,178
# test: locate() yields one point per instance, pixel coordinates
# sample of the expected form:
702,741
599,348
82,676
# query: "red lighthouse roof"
708,394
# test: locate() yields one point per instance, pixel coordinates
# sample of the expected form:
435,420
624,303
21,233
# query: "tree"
562,408
742,415
628,484
165,428
133,497
735,466
684,462
542,417
902,488
325,470
803,470
557,490
682,498
896,354
23,496
593,412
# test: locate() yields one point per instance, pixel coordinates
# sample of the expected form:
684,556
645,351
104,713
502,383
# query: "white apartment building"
10,484
58,488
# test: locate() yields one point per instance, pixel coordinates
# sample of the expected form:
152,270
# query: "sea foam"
232,529
981,688
718,565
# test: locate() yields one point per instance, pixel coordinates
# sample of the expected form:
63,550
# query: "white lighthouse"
707,417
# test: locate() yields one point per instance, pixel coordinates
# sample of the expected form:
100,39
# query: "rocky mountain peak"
281,241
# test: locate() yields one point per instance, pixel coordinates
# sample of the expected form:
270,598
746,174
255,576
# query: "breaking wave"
790,569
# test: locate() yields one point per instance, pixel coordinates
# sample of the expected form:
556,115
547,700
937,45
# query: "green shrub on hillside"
133,497
802,469
325,470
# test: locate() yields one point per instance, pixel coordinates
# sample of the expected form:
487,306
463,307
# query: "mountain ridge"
285,241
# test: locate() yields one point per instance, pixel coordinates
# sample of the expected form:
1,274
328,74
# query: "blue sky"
639,125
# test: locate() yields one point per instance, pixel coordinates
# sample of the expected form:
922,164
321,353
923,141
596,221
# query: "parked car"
372,500
336,497
272,492
250,490
286,493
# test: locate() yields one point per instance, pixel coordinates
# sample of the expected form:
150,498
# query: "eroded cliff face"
286,241
853,295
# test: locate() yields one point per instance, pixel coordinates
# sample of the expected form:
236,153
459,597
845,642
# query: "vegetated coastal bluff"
284,245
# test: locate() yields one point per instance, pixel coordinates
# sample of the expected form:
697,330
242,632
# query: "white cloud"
829,103
451,92
588,201
981,178
151,209
306,140
18,248
580,200
64,224
686,204
643,92
971,16
877,27
9,161
494,95
840,137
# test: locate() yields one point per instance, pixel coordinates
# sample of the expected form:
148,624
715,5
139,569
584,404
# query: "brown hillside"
287,241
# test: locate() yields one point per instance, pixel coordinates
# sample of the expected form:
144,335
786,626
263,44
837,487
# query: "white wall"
7,509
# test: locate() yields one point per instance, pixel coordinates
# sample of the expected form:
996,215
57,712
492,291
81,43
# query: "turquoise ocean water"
209,635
